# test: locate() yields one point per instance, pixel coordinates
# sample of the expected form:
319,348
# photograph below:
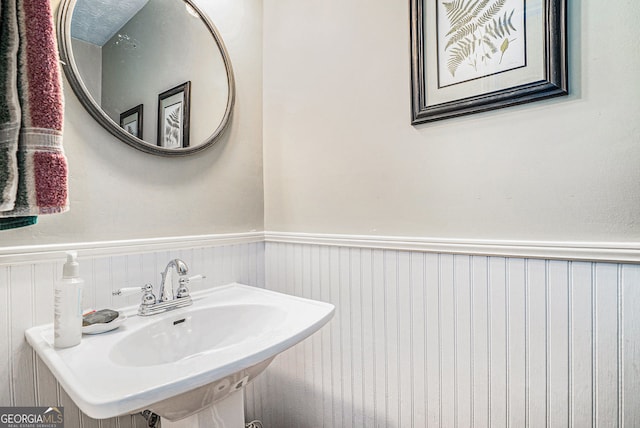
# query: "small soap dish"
100,327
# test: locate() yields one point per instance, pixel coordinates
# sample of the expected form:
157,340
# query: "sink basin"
201,352
184,336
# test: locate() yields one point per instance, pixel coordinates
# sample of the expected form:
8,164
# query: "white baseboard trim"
56,252
616,252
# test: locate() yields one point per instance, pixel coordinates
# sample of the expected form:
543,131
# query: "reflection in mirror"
155,73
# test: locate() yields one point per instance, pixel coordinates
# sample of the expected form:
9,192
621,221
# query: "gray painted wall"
342,157
89,61
117,192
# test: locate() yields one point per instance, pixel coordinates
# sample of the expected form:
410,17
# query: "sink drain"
254,424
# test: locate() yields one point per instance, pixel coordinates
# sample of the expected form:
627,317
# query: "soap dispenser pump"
67,321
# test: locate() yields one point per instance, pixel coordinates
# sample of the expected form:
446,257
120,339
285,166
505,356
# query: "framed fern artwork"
131,120
174,117
469,56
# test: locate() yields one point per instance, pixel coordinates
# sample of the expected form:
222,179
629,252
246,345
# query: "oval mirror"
154,73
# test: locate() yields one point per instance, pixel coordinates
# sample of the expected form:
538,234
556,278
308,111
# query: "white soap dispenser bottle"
67,320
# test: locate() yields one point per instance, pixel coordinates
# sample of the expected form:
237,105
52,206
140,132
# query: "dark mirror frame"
65,13
554,84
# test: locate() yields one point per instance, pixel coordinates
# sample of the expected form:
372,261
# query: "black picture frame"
173,116
132,120
550,46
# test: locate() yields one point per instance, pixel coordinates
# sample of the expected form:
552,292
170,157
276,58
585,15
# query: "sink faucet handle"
183,291
147,298
128,291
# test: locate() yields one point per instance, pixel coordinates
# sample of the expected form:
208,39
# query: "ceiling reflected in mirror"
97,21
154,73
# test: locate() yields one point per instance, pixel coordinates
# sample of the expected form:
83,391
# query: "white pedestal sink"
188,364
228,413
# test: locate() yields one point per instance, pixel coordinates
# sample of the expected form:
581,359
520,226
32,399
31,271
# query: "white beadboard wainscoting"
428,339
27,277
427,333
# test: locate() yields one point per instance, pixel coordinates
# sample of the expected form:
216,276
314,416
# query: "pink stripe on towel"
50,171
45,101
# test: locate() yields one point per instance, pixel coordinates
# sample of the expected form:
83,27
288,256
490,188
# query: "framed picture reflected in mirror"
173,117
131,121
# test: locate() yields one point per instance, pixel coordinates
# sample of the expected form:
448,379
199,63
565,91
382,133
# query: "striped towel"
33,167
9,105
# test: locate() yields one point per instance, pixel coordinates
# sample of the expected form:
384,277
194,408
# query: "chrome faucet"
181,269
168,298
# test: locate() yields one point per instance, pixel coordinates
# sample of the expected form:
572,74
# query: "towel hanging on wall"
33,167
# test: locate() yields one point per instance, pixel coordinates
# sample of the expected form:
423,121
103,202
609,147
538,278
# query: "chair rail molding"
615,252
55,252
